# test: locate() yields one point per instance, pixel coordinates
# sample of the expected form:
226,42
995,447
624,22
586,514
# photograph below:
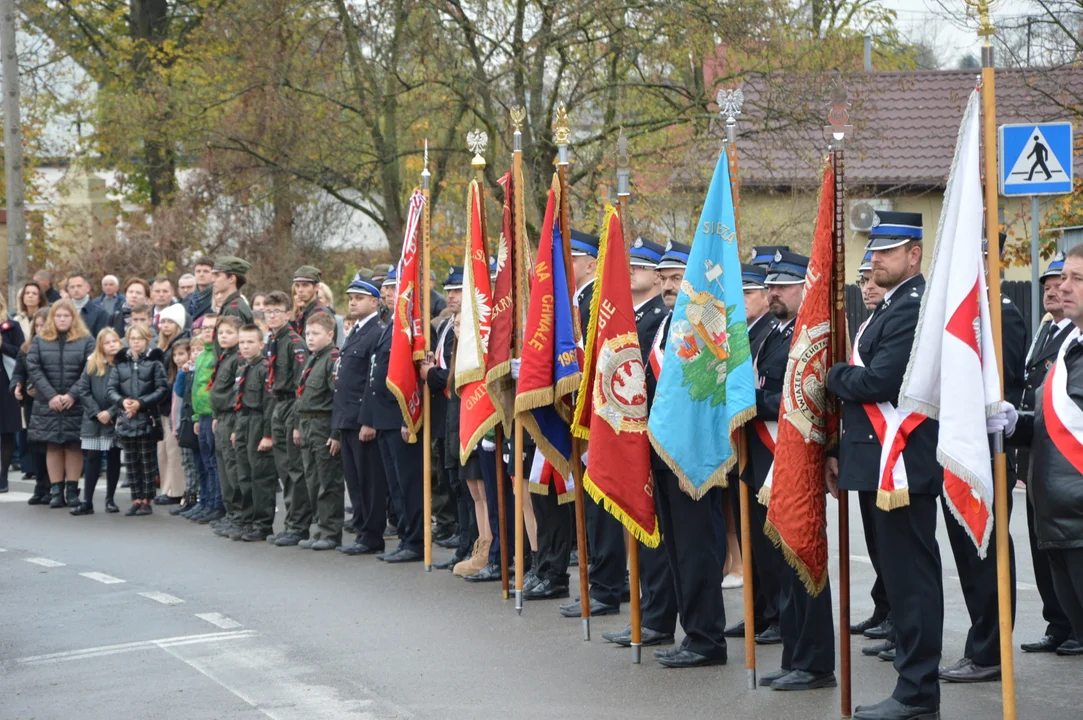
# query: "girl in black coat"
24,392
138,384
54,364
99,422
11,340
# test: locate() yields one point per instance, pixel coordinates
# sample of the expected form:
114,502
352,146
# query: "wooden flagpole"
519,250
624,194
838,131
426,320
992,257
562,137
729,104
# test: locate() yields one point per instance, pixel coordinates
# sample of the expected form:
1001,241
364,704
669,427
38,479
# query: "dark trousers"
227,467
7,452
1067,570
403,467
767,564
367,485
806,624
1058,627
94,471
657,594
978,579
914,584
866,501
489,459
288,465
556,525
257,473
323,475
607,554
444,502
464,511
26,461
210,488
695,564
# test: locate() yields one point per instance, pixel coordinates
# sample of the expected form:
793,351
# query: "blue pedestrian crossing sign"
1036,159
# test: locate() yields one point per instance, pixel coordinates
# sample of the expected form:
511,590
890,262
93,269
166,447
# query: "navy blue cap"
892,229
363,286
866,262
763,255
584,244
753,277
1056,267
645,253
392,277
787,268
454,279
676,256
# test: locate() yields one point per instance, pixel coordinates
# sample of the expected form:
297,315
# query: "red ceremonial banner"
611,409
797,513
498,378
408,341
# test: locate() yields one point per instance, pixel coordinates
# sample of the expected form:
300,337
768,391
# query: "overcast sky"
944,22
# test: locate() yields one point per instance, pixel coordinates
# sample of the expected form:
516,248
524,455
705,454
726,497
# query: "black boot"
41,494
72,493
56,491
83,508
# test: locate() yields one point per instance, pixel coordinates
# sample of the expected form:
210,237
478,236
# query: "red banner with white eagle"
611,409
797,509
407,340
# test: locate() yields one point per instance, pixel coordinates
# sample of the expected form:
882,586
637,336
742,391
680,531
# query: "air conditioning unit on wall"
863,212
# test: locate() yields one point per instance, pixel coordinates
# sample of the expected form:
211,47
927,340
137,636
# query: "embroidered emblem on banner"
804,397
620,396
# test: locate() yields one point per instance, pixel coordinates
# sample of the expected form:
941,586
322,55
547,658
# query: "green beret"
233,265
308,274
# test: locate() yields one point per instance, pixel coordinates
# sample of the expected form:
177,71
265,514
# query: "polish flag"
953,373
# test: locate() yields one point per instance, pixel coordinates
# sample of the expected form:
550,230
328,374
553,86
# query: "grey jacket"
54,367
93,394
143,379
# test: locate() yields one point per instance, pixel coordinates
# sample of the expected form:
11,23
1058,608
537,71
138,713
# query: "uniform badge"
804,397
638,243
875,220
669,245
778,256
620,393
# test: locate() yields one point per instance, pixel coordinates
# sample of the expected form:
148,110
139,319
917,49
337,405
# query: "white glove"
515,363
488,445
1004,420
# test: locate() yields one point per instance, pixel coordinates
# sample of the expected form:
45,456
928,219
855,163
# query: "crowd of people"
216,403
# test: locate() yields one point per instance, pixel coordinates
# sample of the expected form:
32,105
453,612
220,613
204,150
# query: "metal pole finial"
839,116
425,174
985,24
562,134
477,141
518,115
623,165
729,105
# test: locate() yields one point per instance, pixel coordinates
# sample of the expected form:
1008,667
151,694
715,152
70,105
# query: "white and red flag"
953,374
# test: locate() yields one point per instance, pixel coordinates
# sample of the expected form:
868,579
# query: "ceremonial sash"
892,427
657,351
1063,418
767,432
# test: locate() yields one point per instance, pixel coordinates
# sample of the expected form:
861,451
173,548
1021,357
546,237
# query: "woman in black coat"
137,384
11,422
24,392
54,364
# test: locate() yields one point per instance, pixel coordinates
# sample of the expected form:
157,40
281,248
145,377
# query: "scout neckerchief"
240,386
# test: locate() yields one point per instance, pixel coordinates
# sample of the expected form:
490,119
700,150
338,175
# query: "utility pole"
13,152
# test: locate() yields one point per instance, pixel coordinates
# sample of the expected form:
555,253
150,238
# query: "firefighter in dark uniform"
764,255
658,596
306,291
230,274
1043,353
977,576
402,460
805,622
361,463
912,579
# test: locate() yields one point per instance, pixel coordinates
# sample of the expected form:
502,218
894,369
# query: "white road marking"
45,562
219,620
133,646
163,598
3,550
14,497
102,578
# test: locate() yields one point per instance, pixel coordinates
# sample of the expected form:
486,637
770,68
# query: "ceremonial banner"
706,389
797,509
408,339
611,407
952,375
507,296
477,415
549,370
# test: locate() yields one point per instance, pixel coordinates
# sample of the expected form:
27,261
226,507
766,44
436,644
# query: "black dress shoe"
887,655
451,542
1048,643
574,610
769,678
804,680
867,623
111,507
892,709
967,671
83,508
875,650
647,638
1070,648
546,590
359,549
736,630
686,658
166,500
404,556
530,579
449,563
489,573
770,636
881,631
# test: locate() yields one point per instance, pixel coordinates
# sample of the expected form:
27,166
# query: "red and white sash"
1063,418
657,351
767,432
892,427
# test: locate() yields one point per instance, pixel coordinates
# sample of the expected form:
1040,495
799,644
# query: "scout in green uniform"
223,402
252,437
229,277
285,361
306,291
319,443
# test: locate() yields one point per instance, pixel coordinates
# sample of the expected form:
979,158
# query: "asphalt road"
115,617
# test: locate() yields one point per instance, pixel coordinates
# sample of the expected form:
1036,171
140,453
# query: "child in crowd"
251,440
137,384
180,422
210,507
99,422
140,315
223,387
319,443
